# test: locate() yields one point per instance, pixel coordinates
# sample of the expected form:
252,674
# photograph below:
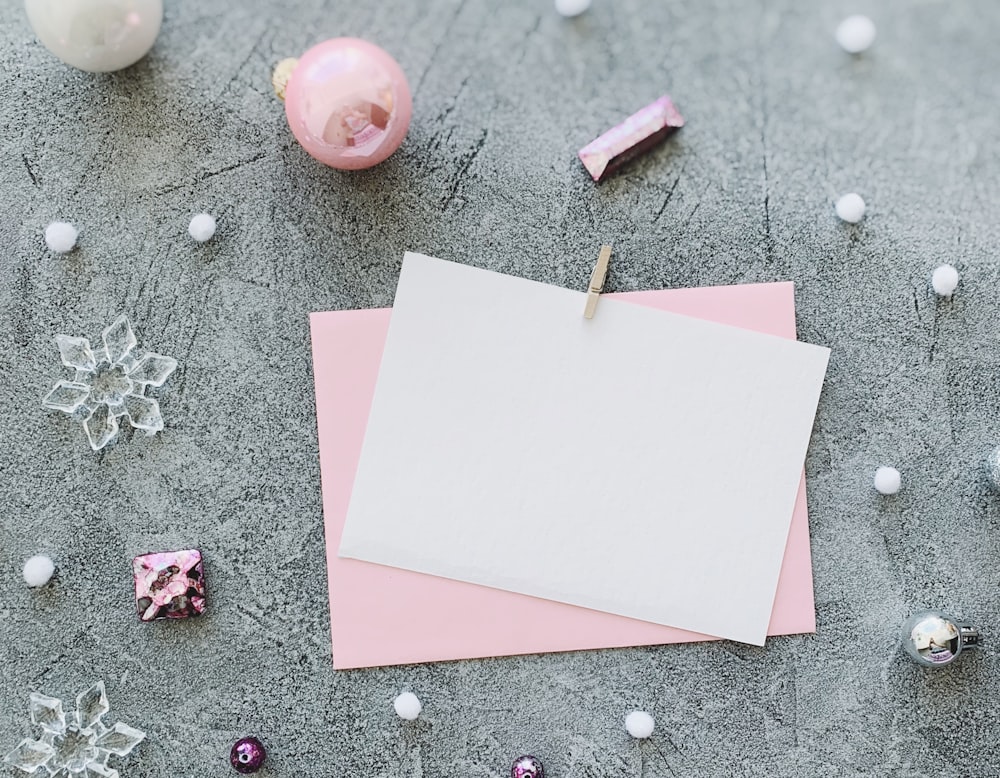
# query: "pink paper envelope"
387,616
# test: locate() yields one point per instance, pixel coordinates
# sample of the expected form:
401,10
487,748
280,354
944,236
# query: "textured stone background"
780,122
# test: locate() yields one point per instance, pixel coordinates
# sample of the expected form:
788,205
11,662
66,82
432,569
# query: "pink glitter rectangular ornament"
636,135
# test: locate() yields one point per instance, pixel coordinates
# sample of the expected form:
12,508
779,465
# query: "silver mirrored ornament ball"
935,639
99,36
993,468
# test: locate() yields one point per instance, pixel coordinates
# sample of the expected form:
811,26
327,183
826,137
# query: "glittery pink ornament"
169,585
348,103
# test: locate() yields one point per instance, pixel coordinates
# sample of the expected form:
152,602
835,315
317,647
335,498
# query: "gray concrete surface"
780,122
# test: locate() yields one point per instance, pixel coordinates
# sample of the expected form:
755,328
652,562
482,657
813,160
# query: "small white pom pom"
639,724
851,208
202,227
38,570
407,706
60,237
945,280
856,34
887,480
571,7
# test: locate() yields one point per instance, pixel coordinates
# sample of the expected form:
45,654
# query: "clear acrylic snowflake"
110,382
76,744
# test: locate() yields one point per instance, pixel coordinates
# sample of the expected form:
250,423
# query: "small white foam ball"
38,570
407,706
61,237
945,280
887,480
639,724
856,34
571,7
202,227
851,208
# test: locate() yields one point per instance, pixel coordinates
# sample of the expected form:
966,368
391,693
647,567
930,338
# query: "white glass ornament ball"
99,36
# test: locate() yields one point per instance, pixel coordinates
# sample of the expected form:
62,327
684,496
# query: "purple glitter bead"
169,585
527,767
248,755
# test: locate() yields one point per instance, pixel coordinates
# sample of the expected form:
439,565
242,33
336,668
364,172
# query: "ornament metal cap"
935,639
282,72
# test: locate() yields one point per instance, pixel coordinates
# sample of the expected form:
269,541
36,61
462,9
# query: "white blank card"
640,463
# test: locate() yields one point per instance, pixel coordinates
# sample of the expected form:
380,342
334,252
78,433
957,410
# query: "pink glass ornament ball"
348,103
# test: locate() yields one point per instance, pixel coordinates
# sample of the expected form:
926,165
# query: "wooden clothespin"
597,279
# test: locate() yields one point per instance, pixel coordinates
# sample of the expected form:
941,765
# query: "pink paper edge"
395,616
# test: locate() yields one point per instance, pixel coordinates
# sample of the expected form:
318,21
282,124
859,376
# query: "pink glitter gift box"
169,585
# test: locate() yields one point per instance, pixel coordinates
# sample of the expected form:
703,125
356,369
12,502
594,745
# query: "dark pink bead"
248,755
527,767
